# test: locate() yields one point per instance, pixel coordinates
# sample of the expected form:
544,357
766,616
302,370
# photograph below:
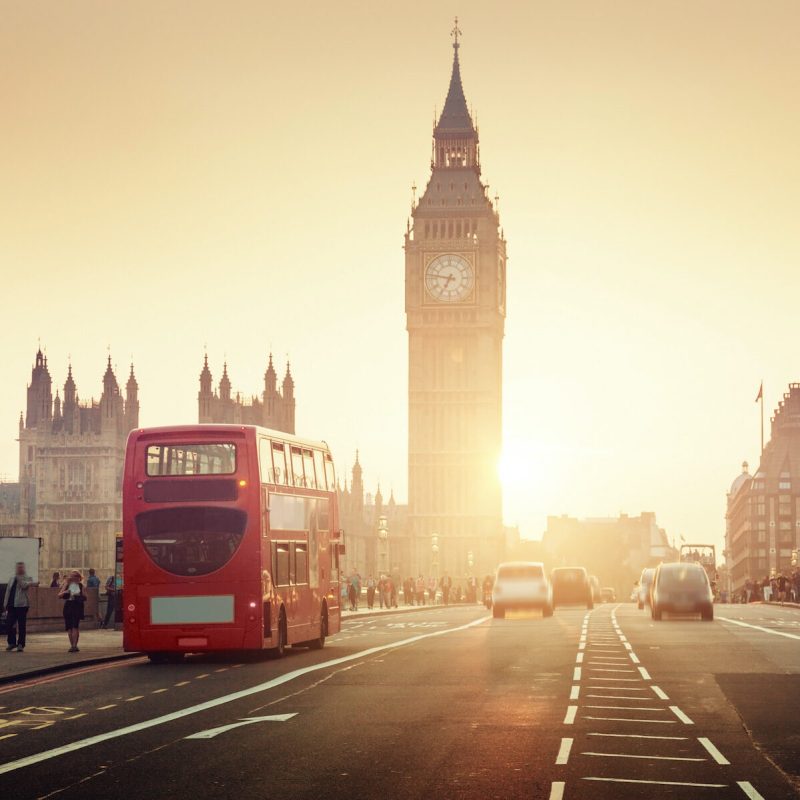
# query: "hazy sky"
238,174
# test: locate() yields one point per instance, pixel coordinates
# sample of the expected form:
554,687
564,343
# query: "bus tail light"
252,615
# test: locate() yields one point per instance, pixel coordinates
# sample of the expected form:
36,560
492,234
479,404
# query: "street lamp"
435,556
470,560
383,538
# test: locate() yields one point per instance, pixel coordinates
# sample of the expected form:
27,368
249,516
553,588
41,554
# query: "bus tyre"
656,613
590,605
707,614
157,658
319,642
547,611
498,612
280,648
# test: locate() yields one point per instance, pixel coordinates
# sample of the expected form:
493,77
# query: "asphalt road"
435,704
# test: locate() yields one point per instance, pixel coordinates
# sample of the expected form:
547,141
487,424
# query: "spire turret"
225,384
270,377
455,136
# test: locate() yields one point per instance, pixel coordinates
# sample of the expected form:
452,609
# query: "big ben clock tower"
455,257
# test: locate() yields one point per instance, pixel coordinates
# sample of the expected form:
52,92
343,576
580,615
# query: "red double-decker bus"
230,539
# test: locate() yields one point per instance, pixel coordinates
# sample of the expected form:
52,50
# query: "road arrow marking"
212,732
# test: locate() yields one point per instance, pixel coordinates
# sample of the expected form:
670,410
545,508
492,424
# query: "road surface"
437,704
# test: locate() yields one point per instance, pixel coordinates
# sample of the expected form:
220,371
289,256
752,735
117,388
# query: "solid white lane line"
713,752
644,673
569,719
634,658
626,719
46,755
640,736
563,751
680,715
557,790
759,628
660,693
660,783
624,680
574,692
647,758
749,791
576,674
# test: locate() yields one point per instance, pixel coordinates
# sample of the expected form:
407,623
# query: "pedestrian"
432,590
408,591
16,603
420,591
111,599
391,592
92,582
381,590
73,595
370,592
446,584
56,581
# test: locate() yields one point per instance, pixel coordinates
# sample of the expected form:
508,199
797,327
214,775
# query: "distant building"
616,549
763,510
71,456
360,513
274,408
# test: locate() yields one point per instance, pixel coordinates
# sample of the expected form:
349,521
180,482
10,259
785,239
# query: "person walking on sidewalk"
16,603
111,599
371,592
446,584
73,595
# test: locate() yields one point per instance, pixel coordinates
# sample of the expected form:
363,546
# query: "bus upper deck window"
191,459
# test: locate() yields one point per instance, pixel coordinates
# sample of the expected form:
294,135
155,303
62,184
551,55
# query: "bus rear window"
191,541
191,459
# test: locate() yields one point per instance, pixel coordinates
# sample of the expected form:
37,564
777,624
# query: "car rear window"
677,574
520,572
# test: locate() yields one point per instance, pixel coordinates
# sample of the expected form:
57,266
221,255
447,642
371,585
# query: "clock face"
449,278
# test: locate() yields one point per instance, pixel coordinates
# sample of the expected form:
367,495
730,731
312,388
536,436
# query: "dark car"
571,587
681,588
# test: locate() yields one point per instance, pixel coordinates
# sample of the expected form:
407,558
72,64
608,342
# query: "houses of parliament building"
71,455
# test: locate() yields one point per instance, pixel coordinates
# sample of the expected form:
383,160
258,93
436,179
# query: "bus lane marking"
557,790
80,744
713,751
564,751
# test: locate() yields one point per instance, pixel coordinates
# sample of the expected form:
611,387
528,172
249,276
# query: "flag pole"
762,417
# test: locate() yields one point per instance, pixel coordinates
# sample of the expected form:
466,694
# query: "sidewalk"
377,611
47,652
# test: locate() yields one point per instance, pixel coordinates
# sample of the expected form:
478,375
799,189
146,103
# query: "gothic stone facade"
359,515
455,268
273,409
71,456
763,514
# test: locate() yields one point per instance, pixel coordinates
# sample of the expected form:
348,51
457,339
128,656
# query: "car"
594,582
681,588
608,594
521,584
645,582
571,587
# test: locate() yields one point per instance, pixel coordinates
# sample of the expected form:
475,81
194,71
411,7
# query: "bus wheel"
280,649
157,658
319,642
